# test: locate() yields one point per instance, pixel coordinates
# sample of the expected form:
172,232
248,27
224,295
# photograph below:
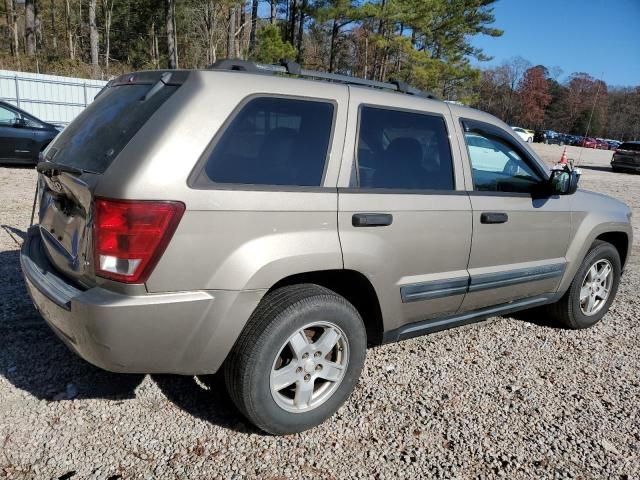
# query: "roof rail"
293,68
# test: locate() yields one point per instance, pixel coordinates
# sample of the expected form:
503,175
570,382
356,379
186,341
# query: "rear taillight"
130,236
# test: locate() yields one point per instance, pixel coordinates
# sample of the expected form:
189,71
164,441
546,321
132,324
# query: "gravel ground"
511,397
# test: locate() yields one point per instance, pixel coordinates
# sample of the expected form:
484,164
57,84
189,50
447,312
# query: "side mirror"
19,122
565,181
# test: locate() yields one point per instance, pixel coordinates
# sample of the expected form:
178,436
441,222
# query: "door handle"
371,219
494,217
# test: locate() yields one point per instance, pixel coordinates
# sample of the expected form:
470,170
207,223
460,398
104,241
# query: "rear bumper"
625,166
183,332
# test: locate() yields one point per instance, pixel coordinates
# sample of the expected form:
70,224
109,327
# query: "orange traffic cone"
563,158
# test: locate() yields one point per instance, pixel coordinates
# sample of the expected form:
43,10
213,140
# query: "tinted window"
498,165
403,150
632,147
274,141
96,136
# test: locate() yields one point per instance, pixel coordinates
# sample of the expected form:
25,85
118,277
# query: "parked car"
278,234
613,144
577,140
589,142
23,136
525,135
626,157
548,137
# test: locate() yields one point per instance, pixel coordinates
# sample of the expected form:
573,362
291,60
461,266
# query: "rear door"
404,217
520,233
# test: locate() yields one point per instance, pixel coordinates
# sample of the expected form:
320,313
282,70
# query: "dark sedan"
23,136
627,157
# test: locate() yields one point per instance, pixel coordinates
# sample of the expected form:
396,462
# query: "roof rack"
293,68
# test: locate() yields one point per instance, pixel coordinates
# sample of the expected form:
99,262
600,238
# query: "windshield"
96,136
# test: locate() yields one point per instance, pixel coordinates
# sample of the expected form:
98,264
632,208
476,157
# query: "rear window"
274,141
633,147
96,136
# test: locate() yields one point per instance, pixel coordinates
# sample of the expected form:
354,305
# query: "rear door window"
96,136
403,150
274,141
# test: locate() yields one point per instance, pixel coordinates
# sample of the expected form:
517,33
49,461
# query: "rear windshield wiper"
51,168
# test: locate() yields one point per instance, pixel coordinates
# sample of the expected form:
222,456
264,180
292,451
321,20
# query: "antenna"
595,101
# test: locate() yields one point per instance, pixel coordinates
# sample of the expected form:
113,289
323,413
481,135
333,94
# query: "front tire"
297,360
592,290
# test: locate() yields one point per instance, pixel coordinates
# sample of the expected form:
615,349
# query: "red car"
589,143
602,145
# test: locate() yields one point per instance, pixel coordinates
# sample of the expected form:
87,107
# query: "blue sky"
600,37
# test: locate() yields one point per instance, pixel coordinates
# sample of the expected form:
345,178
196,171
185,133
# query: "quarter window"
497,164
274,141
403,150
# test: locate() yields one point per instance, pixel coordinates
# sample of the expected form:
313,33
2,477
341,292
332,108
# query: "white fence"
49,97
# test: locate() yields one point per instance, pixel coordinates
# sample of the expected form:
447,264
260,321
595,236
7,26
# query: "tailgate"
65,224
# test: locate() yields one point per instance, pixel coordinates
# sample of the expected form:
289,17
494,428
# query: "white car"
524,134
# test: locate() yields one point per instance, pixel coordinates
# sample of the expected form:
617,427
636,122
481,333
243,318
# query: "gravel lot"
511,397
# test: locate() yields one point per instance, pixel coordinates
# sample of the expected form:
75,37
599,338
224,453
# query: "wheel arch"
620,240
352,285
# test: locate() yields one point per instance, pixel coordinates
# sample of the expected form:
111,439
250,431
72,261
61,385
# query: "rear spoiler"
149,77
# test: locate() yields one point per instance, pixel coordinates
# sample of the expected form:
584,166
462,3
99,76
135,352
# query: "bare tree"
231,38
274,11
303,11
107,7
205,15
54,32
30,26
12,22
170,15
93,39
254,25
70,42
155,54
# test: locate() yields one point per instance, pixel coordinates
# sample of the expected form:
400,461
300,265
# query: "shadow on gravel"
205,398
537,316
33,359
14,233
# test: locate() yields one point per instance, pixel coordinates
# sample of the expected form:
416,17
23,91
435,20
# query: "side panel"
231,237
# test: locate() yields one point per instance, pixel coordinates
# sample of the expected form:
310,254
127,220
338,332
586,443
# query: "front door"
16,140
520,233
405,219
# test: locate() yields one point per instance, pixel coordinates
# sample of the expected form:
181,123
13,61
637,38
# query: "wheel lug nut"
299,370
307,377
305,355
317,354
318,367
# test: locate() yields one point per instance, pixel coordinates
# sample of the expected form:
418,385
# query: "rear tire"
297,360
588,288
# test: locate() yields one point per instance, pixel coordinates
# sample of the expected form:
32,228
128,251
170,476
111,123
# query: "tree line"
533,97
427,43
